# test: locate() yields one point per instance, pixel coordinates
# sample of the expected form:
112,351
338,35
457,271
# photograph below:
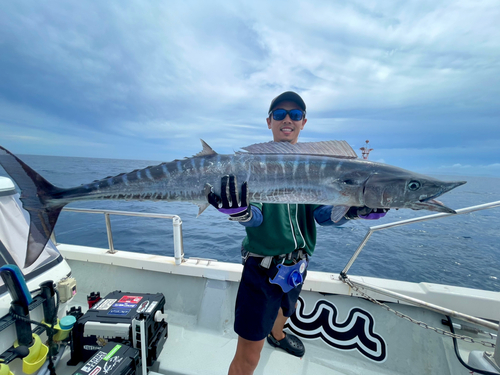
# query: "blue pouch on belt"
289,277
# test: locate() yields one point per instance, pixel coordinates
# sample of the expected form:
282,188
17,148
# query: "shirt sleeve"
256,219
322,214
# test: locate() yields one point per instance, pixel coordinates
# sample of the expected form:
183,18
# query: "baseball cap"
288,96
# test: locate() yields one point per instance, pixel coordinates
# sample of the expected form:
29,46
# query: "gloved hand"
229,202
366,213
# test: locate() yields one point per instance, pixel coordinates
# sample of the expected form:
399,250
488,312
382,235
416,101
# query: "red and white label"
130,299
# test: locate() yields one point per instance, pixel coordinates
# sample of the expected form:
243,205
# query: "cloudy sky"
147,79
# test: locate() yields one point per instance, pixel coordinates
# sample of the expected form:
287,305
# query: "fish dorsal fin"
338,149
207,150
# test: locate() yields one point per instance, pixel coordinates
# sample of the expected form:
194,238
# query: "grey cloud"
414,73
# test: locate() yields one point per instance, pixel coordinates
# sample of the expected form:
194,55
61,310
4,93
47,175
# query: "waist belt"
290,258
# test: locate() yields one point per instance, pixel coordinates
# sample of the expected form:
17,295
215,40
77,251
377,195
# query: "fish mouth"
432,204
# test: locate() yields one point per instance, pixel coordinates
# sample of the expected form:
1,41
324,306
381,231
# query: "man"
277,234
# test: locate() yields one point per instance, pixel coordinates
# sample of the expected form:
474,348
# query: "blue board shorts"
258,301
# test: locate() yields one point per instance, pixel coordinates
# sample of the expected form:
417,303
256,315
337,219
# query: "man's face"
286,130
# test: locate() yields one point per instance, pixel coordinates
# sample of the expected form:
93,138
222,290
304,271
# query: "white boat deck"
343,332
200,299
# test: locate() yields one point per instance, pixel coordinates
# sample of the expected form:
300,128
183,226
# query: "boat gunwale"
474,302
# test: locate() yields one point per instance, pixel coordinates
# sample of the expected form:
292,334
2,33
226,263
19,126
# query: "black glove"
366,213
229,202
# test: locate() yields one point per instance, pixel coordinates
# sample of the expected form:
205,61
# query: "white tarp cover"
14,227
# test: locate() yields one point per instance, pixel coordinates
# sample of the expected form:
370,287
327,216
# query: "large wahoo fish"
276,172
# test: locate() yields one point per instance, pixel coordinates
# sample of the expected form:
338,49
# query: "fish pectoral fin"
338,212
203,207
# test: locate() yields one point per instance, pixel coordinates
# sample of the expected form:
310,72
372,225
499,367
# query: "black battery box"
115,318
112,359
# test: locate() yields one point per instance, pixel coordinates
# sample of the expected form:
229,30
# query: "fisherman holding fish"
280,239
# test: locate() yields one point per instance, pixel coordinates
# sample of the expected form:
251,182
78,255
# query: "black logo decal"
356,332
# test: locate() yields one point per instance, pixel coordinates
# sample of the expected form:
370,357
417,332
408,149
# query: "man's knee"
247,355
247,360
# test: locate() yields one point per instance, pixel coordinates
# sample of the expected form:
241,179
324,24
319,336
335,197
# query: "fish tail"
39,198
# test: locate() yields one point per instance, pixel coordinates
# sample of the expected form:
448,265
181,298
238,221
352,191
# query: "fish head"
404,189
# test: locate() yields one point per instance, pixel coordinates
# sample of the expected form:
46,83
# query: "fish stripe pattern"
307,173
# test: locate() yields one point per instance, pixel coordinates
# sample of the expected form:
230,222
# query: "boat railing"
377,228
179,250
176,223
356,284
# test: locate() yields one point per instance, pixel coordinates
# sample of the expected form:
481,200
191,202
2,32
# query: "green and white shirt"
284,228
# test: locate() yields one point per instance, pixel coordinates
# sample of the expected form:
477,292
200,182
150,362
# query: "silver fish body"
305,179
310,173
271,179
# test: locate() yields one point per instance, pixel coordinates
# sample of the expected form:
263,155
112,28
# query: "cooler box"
112,319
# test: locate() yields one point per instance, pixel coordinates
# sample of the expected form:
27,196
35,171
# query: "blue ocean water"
462,250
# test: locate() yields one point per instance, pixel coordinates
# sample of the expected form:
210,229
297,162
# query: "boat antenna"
365,151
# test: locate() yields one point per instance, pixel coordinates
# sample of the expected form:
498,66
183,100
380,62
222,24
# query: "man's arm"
256,219
322,215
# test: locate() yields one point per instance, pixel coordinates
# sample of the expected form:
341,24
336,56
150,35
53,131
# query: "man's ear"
268,122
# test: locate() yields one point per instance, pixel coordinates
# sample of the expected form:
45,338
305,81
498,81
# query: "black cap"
288,96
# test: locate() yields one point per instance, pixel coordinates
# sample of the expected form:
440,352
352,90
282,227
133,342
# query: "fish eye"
414,185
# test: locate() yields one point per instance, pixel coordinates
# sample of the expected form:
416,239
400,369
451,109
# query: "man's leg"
288,342
290,303
247,357
279,325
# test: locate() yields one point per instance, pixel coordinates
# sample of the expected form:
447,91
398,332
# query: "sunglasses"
295,114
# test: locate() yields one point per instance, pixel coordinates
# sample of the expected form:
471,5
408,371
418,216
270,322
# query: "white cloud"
491,167
416,75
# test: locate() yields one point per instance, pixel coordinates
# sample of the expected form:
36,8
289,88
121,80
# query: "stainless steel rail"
376,228
176,222
343,275
427,305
